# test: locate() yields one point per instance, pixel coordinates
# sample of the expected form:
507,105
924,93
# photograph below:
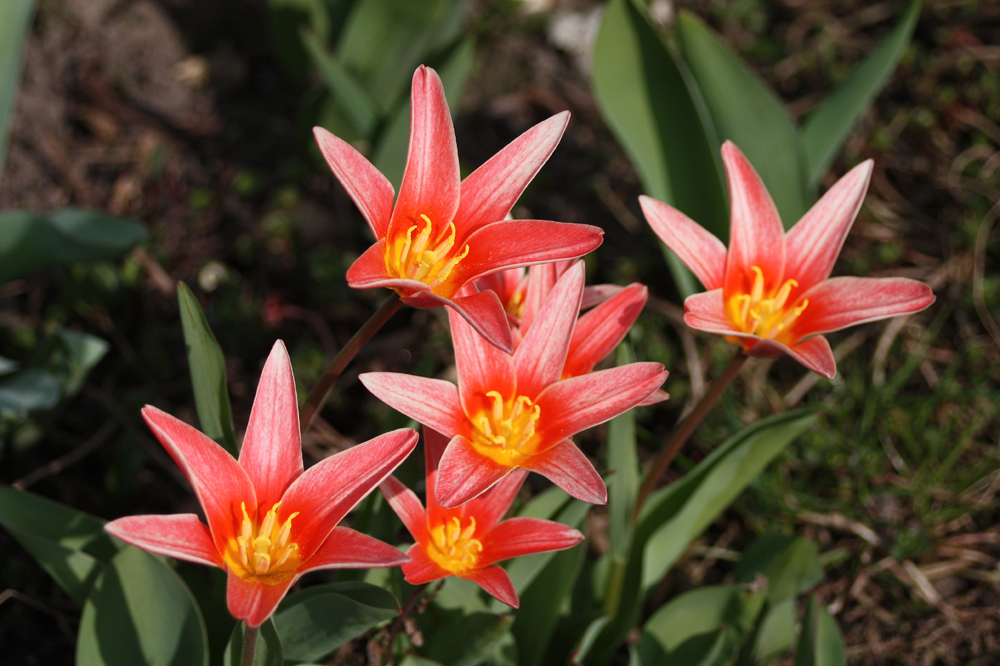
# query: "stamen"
506,426
263,553
764,315
428,258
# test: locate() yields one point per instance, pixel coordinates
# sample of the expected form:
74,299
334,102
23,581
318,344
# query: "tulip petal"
348,549
482,367
540,357
814,243
599,331
254,602
218,480
523,536
846,301
421,568
324,494
182,535
433,402
654,398
485,313
706,312
814,353
407,506
489,192
694,245
431,180
435,445
465,473
756,237
496,582
491,506
542,279
271,452
371,192
596,294
369,272
566,466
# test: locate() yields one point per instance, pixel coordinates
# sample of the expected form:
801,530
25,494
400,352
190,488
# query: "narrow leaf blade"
15,21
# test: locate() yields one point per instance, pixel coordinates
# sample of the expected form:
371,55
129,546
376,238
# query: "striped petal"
496,582
254,602
347,549
482,368
523,536
433,402
465,473
599,331
407,506
695,246
847,301
566,466
182,535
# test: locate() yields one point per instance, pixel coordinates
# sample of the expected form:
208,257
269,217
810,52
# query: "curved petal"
813,244
596,294
540,357
431,180
433,402
371,192
496,582
368,272
756,237
542,279
566,466
489,192
182,535
485,313
523,536
421,568
694,245
599,331
324,494
814,353
482,367
348,549
271,452
653,398
846,301
254,602
465,473
706,312
491,506
218,480
407,506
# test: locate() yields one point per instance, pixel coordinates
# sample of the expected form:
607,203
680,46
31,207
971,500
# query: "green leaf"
826,128
790,564
267,653
588,638
208,372
15,21
772,636
28,390
318,620
541,603
69,356
140,612
820,642
748,113
33,241
480,634
286,21
71,546
347,92
657,114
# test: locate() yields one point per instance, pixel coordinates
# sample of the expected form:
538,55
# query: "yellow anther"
263,553
428,258
764,315
506,426
453,547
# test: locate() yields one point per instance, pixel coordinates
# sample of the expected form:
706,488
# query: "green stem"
249,644
322,389
684,429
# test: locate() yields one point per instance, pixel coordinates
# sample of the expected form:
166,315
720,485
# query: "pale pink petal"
371,192
695,246
482,367
271,452
465,473
814,353
599,331
496,582
489,192
846,301
407,506
491,506
813,244
421,568
182,535
254,602
218,480
541,279
324,494
523,536
433,402
540,357
485,313
756,237
348,549
706,312
566,466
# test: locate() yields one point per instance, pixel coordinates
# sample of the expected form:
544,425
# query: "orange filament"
262,553
764,317
503,431
426,258
453,547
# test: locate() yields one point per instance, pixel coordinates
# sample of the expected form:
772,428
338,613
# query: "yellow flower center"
421,254
453,547
515,306
262,553
505,431
765,317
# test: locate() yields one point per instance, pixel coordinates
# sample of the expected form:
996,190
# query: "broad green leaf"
709,649
28,390
479,633
140,612
820,642
826,128
541,603
33,241
208,372
316,621
649,101
745,111
15,21
772,636
347,92
790,564
267,653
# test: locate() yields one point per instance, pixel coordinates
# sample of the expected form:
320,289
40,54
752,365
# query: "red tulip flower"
444,232
517,411
268,521
469,540
771,292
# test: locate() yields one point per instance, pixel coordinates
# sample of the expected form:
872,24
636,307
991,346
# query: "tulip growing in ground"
469,540
771,292
512,412
268,521
444,232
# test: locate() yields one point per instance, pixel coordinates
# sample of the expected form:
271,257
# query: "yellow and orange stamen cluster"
507,427
453,547
426,258
264,553
765,317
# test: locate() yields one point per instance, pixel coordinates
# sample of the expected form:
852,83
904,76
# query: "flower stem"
322,389
249,644
684,429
